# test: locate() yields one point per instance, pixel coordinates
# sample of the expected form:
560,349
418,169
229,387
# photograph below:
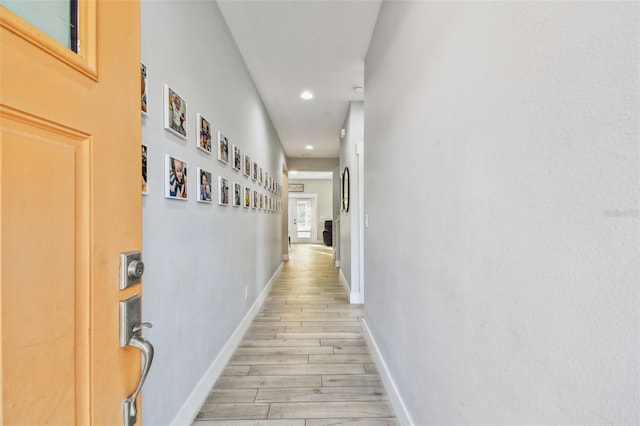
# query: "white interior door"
303,218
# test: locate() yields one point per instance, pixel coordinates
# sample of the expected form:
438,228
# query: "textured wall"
200,257
502,191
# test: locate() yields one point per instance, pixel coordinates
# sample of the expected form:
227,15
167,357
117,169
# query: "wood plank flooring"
303,361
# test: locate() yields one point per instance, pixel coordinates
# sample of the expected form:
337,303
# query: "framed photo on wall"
205,193
223,148
175,181
254,169
223,191
145,183
254,201
143,89
175,113
247,165
237,158
237,194
204,134
247,197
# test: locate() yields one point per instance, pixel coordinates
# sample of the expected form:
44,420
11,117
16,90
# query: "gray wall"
349,223
200,257
312,164
502,192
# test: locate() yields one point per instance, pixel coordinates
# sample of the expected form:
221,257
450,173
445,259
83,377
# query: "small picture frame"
247,197
145,182
237,194
143,89
175,113
175,181
223,191
204,134
223,148
247,165
205,191
254,200
261,201
254,171
237,158
260,176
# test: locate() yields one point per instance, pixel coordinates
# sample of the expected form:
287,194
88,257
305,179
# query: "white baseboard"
355,298
285,257
192,405
389,385
343,280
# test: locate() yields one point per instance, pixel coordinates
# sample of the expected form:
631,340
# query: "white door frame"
292,216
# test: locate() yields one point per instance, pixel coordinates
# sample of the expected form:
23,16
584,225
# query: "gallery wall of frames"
246,184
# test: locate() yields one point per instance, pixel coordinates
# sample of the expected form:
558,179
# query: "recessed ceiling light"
309,147
306,95
306,155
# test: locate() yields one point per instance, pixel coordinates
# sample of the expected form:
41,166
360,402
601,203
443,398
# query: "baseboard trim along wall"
192,405
389,385
355,297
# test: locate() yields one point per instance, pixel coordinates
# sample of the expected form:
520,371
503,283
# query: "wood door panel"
71,202
44,321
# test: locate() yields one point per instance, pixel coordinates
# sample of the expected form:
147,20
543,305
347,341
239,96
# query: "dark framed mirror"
345,189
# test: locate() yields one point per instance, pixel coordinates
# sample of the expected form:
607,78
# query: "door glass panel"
56,18
304,218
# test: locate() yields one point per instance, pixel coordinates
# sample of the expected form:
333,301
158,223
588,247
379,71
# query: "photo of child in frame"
145,185
247,197
204,191
237,158
176,178
237,195
223,191
204,134
143,88
223,148
175,117
247,165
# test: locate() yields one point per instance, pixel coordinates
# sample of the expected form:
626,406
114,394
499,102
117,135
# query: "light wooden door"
70,203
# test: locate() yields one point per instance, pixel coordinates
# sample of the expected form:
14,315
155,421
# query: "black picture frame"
345,189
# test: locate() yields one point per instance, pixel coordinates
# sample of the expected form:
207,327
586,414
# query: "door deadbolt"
135,269
131,269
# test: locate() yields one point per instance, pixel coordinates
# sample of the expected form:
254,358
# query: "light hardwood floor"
303,361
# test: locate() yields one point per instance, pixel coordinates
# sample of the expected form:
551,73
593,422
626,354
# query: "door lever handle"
130,411
139,327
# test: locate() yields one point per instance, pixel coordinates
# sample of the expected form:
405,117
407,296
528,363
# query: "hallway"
303,361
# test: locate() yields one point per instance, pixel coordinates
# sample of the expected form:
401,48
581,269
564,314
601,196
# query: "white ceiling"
295,45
